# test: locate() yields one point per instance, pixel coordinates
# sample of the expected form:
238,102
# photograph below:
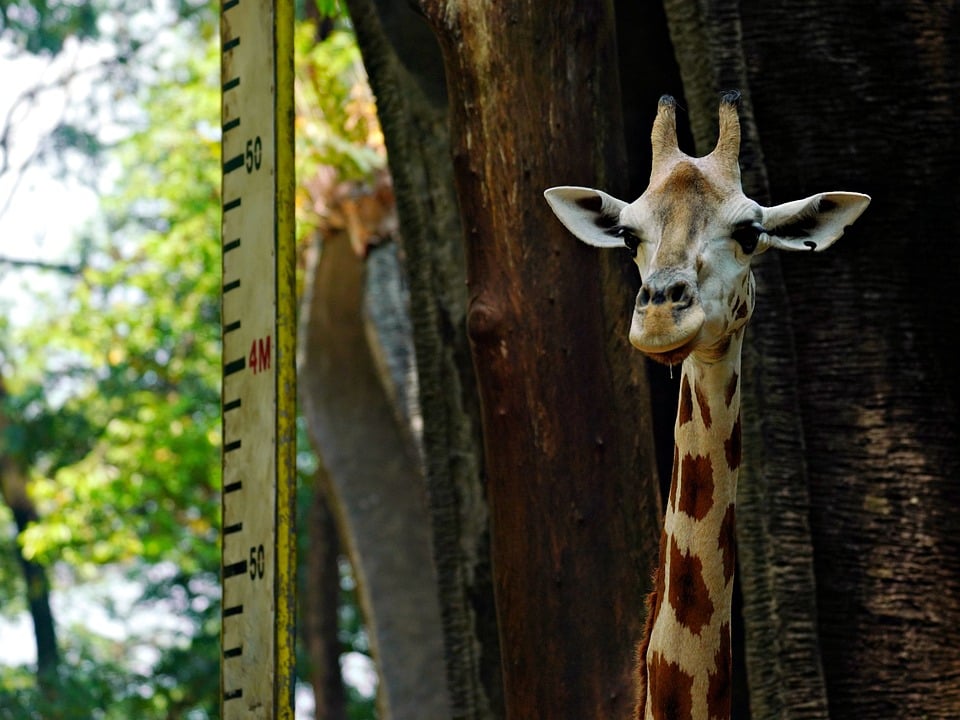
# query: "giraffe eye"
631,241
747,236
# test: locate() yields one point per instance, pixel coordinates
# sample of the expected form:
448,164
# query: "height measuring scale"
259,341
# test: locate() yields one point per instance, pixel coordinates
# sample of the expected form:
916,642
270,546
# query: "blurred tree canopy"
112,403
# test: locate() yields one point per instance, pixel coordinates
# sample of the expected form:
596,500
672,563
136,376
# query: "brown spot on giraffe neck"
696,486
685,409
671,690
687,590
704,406
718,682
742,309
732,388
732,446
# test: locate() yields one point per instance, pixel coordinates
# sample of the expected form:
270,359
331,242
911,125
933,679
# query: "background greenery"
112,402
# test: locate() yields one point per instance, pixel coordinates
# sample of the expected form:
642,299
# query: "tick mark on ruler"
233,487
231,125
230,44
234,569
231,405
234,163
231,84
233,610
230,4
235,528
233,694
231,446
233,652
230,327
232,285
232,245
232,205
234,366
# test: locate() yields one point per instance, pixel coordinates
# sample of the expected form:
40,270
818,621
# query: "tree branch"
64,268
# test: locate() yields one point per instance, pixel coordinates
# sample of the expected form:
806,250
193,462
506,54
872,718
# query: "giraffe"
693,234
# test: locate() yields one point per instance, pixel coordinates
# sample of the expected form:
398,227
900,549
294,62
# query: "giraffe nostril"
669,291
678,292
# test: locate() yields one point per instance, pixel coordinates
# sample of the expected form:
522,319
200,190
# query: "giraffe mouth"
670,357
667,334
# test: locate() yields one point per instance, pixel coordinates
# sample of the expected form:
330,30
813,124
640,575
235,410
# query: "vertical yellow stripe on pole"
286,362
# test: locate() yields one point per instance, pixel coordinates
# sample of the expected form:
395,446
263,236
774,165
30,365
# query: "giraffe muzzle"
668,316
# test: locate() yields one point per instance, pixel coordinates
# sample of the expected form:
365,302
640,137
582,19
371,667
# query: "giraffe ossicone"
694,234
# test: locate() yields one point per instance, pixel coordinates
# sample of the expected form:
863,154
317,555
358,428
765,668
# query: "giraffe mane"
641,657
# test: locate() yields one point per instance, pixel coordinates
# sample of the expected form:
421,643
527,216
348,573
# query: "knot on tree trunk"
485,321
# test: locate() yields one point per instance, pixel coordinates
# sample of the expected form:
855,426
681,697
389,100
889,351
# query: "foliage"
138,348
44,27
113,391
116,393
108,679
338,137
77,78
336,113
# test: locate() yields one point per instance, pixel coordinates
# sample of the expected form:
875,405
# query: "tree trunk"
376,481
868,105
34,575
405,69
871,105
320,603
571,476
13,488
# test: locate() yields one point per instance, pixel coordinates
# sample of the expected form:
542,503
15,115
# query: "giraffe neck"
687,661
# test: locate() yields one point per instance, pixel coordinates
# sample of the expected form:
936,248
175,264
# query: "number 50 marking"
254,154
257,562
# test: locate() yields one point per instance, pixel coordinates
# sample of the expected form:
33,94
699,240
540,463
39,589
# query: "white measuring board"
259,374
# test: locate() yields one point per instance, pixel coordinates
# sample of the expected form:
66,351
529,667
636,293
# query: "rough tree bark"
862,98
377,484
534,101
871,105
403,62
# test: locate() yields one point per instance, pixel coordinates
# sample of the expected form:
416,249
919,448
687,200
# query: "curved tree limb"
375,485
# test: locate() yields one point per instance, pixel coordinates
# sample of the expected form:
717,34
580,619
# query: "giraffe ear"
589,214
814,223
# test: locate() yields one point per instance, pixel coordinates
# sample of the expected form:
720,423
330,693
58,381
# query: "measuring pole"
259,378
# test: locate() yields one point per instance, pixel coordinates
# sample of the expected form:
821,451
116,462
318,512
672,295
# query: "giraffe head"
694,234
